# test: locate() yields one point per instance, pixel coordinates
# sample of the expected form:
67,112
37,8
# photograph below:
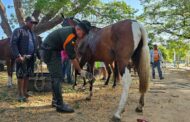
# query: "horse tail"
141,59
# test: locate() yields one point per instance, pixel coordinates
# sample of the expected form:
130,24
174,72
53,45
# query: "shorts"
25,69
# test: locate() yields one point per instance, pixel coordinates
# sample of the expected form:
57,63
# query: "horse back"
5,51
115,40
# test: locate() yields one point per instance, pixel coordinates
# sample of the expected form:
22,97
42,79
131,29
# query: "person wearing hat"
63,39
23,47
156,59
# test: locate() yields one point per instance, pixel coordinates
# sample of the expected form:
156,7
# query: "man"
23,46
63,38
156,58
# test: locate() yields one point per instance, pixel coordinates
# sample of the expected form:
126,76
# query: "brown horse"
71,21
120,42
6,55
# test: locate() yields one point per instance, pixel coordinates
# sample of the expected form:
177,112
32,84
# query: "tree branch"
36,14
19,12
42,27
47,17
80,7
179,35
4,21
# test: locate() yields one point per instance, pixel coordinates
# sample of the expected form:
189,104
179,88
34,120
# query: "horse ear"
62,16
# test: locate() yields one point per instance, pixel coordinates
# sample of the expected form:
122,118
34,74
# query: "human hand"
20,59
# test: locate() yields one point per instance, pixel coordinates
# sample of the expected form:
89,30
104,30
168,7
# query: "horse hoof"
123,111
88,98
74,86
105,84
113,86
115,119
139,110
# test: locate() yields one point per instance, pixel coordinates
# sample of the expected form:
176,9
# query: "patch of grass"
2,110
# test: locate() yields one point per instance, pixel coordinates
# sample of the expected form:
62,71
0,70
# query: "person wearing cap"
156,59
23,47
58,40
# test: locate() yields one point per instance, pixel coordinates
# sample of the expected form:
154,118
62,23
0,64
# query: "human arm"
75,62
15,38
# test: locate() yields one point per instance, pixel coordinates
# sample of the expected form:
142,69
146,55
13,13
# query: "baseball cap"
31,19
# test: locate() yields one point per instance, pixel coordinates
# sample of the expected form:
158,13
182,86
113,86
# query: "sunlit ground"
166,101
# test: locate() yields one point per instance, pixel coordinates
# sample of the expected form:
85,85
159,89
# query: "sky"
133,3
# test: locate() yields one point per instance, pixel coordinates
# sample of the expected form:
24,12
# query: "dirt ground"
166,101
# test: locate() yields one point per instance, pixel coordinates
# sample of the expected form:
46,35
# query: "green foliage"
181,49
168,22
168,16
108,13
96,9
165,53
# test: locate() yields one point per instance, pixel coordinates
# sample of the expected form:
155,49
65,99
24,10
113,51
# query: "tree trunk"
42,27
19,12
4,21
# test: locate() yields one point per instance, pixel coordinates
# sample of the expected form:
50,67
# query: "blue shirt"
31,44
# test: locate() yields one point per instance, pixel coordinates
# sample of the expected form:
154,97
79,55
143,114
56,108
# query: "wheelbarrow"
40,81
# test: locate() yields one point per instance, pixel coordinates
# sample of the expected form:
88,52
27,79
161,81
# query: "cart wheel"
39,85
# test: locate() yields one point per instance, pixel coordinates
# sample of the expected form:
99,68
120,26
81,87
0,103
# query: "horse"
6,55
71,21
119,42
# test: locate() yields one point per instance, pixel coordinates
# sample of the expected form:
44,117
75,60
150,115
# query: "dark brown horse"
71,21
120,42
6,55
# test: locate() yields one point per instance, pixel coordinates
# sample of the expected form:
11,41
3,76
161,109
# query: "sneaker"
22,99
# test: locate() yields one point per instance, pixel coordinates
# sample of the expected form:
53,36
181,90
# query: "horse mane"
91,39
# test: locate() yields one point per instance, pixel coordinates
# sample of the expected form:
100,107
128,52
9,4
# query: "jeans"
154,65
66,67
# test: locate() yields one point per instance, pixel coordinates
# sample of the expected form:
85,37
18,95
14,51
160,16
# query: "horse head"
70,21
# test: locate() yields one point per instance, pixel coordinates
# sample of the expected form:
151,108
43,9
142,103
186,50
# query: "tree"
180,48
109,13
171,17
48,12
48,16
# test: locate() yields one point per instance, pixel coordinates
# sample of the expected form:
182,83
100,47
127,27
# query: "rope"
37,79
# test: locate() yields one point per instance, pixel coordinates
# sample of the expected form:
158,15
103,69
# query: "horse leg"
109,73
126,78
116,74
10,64
75,82
84,83
90,69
